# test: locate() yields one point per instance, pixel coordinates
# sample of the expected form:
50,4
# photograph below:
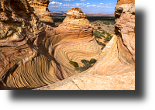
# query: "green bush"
97,34
108,38
87,65
106,22
99,27
103,32
75,64
92,61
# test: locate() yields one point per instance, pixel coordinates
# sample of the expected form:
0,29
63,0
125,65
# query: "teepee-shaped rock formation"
74,41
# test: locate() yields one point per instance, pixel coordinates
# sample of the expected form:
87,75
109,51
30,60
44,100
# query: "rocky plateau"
36,55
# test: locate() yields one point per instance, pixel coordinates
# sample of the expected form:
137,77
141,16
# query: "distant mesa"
58,13
62,13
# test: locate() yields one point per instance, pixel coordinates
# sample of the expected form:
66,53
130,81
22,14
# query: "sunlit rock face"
74,41
125,29
40,8
24,42
34,55
115,68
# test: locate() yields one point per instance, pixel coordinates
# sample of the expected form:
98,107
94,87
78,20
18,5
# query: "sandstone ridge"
25,62
115,68
34,55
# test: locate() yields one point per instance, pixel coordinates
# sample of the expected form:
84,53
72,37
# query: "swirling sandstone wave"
115,68
24,42
33,54
74,41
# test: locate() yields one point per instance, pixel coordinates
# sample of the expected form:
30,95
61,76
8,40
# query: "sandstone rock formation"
74,41
34,55
125,28
115,68
40,8
24,43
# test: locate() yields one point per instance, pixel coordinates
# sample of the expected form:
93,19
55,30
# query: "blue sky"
87,6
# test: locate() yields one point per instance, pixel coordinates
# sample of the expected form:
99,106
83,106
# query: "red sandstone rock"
115,68
22,46
120,2
33,54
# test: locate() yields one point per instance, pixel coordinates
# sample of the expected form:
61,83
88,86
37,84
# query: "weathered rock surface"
40,8
125,30
24,43
34,55
74,41
115,68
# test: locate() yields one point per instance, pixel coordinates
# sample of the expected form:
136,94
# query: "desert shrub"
103,32
102,35
106,22
92,61
97,34
108,38
99,27
87,65
75,64
102,48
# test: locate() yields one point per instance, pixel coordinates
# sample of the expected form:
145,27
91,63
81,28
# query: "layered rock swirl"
33,54
74,41
24,42
40,8
115,68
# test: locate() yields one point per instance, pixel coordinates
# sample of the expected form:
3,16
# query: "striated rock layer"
125,30
25,61
33,54
74,41
115,68
40,8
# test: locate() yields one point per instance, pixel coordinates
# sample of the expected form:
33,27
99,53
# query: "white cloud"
58,6
90,5
79,4
109,3
68,0
53,2
82,0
